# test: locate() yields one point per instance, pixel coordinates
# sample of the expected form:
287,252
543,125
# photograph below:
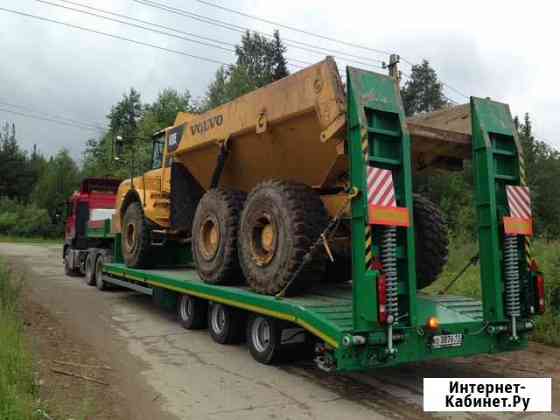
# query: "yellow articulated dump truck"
258,189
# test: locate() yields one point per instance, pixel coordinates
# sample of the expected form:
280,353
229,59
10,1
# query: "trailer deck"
326,312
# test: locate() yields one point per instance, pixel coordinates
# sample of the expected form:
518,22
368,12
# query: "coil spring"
512,286
389,261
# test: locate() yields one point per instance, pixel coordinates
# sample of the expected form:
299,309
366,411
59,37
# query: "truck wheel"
214,236
136,237
263,339
225,324
432,242
279,224
192,312
90,268
68,268
99,261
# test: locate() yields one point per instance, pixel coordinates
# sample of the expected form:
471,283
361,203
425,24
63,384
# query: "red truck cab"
94,202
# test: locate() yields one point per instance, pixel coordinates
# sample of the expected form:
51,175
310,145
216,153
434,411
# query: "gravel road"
166,372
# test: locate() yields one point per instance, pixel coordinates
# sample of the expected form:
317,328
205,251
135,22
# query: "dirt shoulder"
83,368
58,355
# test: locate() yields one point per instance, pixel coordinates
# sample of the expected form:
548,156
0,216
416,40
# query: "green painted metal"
102,232
496,151
327,311
376,116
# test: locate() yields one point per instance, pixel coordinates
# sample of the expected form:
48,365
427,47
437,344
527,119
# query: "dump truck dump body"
273,132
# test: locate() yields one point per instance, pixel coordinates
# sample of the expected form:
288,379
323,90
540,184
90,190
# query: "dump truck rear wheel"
226,325
214,236
192,312
279,224
136,238
432,242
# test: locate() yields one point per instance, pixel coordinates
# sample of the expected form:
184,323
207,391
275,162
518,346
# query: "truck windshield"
157,153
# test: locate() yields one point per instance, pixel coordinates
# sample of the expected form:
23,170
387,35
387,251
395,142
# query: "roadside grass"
547,254
31,240
17,388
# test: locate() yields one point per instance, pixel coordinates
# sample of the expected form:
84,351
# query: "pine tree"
260,61
423,92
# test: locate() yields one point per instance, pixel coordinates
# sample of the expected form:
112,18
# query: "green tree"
136,123
423,92
168,104
259,62
543,171
12,160
124,116
59,180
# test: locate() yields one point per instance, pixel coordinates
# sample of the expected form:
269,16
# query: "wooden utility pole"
393,67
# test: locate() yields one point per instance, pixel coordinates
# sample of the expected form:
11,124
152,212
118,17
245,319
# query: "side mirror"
118,148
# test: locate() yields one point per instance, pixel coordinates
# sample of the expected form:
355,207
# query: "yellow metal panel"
296,109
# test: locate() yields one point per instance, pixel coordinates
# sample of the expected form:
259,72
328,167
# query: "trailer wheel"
214,236
280,222
192,312
90,268
432,242
136,237
225,324
263,339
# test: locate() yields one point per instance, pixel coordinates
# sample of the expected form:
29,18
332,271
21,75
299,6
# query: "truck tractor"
259,187
86,226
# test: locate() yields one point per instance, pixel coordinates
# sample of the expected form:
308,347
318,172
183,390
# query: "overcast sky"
483,48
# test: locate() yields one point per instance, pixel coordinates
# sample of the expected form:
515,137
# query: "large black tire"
67,266
192,312
214,236
271,340
90,267
136,238
98,272
226,325
264,339
432,242
280,222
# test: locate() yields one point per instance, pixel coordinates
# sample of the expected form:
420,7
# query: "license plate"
447,340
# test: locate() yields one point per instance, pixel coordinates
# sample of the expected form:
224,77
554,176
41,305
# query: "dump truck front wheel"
279,224
432,242
136,241
214,236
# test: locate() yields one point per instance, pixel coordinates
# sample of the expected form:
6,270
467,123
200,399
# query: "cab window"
157,152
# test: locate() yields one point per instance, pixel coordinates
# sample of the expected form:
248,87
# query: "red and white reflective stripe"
381,190
519,201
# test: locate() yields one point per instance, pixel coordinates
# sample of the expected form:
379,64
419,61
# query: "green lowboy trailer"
377,318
